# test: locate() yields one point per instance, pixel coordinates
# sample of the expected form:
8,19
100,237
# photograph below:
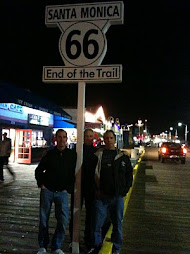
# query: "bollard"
141,149
134,156
135,153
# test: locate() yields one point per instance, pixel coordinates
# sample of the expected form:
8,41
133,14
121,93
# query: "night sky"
153,46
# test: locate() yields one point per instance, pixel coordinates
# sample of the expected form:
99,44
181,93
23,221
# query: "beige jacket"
5,147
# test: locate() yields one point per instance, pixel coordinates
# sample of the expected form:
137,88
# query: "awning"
60,122
12,94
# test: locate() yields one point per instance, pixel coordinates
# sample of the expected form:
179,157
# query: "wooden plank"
158,215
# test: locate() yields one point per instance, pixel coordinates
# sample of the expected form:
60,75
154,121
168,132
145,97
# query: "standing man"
88,183
5,152
87,186
55,176
113,177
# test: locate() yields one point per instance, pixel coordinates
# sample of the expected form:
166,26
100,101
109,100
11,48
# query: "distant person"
55,176
87,185
113,177
5,152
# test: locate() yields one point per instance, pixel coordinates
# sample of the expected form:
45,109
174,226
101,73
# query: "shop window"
38,139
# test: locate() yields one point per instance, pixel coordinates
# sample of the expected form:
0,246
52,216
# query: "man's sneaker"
58,251
42,251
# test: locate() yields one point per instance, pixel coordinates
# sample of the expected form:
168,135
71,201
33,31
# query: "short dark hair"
109,131
60,130
88,130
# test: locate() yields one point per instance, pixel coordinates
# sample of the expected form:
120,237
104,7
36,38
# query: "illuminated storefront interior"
28,120
30,131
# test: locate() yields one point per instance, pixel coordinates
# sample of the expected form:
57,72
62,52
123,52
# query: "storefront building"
30,131
28,120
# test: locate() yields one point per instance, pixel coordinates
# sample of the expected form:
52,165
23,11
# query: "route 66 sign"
82,44
83,27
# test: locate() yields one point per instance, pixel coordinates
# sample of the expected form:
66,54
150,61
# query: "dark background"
153,46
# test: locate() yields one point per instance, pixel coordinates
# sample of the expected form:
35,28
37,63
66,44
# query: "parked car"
172,151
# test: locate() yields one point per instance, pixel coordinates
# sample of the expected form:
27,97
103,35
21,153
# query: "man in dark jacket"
113,177
55,176
88,183
87,186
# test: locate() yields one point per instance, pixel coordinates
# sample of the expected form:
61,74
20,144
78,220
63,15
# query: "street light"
110,122
166,133
139,124
145,126
180,124
117,123
170,133
128,126
173,129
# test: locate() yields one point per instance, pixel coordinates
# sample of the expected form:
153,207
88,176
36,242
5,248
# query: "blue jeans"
60,200
114,206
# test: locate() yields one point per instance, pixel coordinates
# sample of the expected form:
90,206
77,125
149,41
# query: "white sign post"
82,46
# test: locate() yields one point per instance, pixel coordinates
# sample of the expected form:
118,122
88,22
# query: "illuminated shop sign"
12,107
38,120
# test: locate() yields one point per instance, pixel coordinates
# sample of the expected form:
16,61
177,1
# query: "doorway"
23,146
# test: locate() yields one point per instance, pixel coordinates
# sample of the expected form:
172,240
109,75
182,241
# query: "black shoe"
114,251
88,245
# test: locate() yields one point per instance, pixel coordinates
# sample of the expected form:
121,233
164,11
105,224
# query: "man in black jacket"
88,183
113,177
87,186
55,176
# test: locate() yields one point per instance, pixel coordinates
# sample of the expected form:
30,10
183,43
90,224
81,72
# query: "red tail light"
184,150
164,150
